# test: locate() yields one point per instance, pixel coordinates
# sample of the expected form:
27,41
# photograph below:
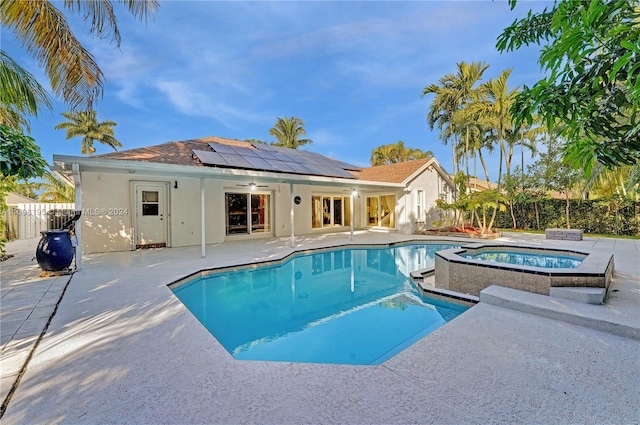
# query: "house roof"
179,153
231,153
204,153
391,173
13,198
479,184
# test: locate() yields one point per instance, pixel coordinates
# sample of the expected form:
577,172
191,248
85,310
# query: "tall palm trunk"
484,165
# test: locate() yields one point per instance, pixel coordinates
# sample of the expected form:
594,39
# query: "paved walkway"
121,349
27,303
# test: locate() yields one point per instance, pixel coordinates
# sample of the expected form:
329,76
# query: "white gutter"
78,200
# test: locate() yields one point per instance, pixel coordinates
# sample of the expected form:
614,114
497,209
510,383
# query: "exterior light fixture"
252,185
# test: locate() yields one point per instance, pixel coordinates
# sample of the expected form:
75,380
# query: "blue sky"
352,71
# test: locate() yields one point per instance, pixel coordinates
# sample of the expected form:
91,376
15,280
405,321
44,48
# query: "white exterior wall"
111,193
431,183
108,207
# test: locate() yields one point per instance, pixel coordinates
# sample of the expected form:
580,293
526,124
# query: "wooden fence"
26,221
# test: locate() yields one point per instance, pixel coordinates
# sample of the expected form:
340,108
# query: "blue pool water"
545,260
345,306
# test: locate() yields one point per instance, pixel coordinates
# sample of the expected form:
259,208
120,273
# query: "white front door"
151,215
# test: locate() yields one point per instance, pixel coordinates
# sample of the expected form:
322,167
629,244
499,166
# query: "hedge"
615,217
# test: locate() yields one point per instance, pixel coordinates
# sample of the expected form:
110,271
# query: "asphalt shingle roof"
181,153
391,173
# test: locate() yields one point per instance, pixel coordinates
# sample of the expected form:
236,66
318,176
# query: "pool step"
427,282
598,317
423,273
579,294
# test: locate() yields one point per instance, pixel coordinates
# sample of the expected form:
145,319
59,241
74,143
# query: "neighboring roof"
479,184
230,153
13,198
391,173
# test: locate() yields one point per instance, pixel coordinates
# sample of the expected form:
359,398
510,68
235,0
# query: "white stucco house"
212,190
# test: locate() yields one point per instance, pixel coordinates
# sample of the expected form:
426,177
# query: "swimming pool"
342,306
544,260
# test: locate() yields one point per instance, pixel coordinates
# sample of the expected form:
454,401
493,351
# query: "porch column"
78,200
202,220
292,215
351,209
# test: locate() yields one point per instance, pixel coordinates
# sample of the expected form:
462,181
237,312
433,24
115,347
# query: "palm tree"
493,107
86,125
452,93
288,131
20,94
610,182
55,190
396,152
45,33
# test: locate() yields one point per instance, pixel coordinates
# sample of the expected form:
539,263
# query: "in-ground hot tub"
463,269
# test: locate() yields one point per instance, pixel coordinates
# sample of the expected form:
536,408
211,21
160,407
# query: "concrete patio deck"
121,348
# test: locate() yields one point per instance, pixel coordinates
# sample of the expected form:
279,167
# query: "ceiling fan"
252,185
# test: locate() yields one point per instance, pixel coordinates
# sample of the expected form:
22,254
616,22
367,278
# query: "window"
381,211
260,214
419,205
337,211
330,211
150,202
316,212
247,214
372,210
326,211
347,211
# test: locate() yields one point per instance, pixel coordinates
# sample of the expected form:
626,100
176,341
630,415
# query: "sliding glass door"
381,211
330,211
247,214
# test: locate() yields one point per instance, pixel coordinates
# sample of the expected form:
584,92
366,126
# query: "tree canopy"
85,124
19,155
591,53
396,152
45,33
20,94
288,131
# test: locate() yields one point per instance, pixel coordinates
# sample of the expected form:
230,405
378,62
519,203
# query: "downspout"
202,220
78,200
292,215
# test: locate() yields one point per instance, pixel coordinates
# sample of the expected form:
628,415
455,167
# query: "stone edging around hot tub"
456,273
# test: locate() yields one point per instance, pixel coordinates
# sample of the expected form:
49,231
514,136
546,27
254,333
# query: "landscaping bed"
461,232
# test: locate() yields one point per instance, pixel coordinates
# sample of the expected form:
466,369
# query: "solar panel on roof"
280,165
236,160
301,168
264,154
210,158
220,148
264,147
259,163
245,151
274,158
346,166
